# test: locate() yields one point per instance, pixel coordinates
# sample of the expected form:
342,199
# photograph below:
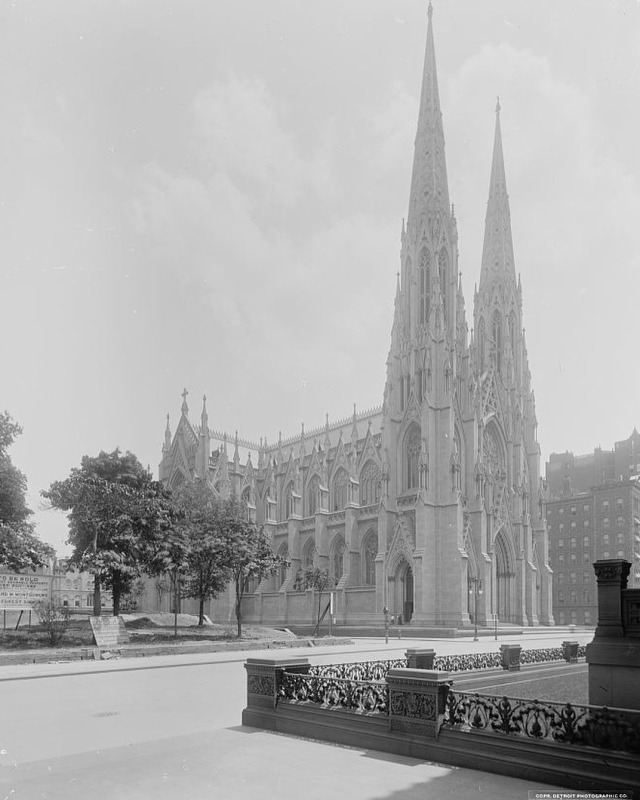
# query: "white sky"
210,194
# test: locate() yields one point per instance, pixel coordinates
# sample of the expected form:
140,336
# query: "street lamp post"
385,611
475,589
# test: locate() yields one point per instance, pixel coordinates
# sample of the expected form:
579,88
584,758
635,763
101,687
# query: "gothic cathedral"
431,504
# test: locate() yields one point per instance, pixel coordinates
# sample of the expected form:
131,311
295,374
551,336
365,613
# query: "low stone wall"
411,714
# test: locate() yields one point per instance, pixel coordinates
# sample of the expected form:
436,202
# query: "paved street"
170,727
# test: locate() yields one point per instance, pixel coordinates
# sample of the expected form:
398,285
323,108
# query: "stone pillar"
611,576
511,657
420,658
614,654
417,701
263,679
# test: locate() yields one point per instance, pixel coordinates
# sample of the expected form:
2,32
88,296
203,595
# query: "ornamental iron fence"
358,670
361,696
594,726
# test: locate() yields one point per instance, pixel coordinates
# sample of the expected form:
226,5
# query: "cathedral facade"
431,504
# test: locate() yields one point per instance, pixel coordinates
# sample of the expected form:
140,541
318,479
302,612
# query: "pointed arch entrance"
505,580
401,591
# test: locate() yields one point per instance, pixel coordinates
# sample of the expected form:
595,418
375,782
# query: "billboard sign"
23,591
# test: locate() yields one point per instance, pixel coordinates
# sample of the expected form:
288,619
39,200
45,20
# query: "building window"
573,524
585,507
574,577
561,527
369,559
561,511
586,577
620,521
308,553
561,618
605,505
574,558
369,484
89,601
605,522
620,503
587,618
585,541
620,538
586,558
573,541
340,490
574,617
313,493
561,596
560,542
561,577
337,558
288,501
605,554
620,553
560,560
585,524
586,597
573,509
605,538
413,443
573,596
283,552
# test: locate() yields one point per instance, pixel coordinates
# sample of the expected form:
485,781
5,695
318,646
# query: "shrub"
54,619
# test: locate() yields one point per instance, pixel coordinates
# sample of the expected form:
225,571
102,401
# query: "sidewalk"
173,732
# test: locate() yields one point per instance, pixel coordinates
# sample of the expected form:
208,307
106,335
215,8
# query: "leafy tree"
320,580
247,551
117,513
20,548
201,515
171,557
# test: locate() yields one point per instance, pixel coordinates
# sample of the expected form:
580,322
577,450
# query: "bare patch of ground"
143,629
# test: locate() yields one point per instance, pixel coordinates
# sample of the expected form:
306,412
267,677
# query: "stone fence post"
611,575
570,652
263,679
420,657
417,700
510,657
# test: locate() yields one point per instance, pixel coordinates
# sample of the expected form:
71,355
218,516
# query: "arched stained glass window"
369,553
308,553
340,489
283,551
412,446
337,558
481,342
313,493
288,500
369,484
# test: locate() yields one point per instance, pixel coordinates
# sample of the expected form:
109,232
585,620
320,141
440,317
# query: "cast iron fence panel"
358,670
365,697
467,662
595,726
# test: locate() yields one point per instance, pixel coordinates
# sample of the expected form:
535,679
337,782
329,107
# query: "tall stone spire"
429,187
497,252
